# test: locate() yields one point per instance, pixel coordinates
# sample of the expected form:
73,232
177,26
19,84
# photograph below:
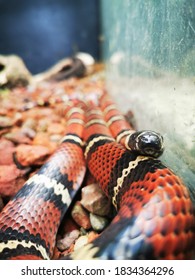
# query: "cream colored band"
77,121
89,123
123,134
74,138
74,110
114,119
109,108
13,244
59,189
132,165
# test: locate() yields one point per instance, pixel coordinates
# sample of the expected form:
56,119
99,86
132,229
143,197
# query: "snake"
154,217
30,220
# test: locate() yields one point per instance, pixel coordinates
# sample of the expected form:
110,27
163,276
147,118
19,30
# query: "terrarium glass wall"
149,50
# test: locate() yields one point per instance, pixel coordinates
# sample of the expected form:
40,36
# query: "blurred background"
147,47
44,31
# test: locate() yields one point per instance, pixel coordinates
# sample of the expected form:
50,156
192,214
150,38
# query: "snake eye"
147,142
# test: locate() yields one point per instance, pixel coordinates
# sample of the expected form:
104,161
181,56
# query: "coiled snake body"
155,215
155,219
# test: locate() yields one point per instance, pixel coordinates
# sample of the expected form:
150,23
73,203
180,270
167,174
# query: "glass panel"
149,51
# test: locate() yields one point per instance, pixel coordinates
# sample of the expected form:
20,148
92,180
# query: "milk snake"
155,214
29,222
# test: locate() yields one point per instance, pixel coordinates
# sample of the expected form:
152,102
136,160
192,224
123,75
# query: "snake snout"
147,142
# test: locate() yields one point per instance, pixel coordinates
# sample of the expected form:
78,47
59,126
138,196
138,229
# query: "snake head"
146,142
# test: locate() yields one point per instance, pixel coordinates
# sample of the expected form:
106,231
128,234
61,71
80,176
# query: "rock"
56,128
6,154
31,155
43,125
67,240
83,231
1,203
59,255
30,123
98,223
7,150
5,122
67,225
40,114
3,111
11,180
81,216
81,241
4,131
55,138
56,254
17,119
14,71
29,132
95,201
18,137
4,144
42,139
92,235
